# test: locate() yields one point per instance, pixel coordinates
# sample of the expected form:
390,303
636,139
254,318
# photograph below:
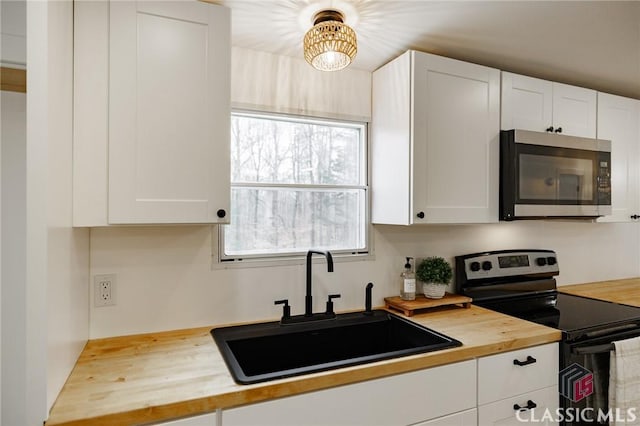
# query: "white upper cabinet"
533,104
435,132
619,122
574,110
161,113
527,103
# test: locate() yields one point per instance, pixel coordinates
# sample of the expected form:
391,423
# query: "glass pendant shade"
330,45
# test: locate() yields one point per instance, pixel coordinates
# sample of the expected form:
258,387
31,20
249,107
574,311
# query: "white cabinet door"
527,103
516,372
574,110
619,122
169,116
203,420
465,418
434,146
506,413
402,399
456,122
530,103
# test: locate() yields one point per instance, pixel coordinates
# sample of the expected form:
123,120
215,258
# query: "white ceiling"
587,43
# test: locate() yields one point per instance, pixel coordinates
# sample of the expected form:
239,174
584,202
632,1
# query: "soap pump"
408,282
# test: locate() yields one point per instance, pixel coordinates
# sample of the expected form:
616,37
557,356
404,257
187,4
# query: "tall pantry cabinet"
151,112
434,143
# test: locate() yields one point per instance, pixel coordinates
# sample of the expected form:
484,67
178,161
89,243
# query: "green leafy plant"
434,270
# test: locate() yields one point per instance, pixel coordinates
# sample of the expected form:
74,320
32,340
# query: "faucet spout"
308,299
367,300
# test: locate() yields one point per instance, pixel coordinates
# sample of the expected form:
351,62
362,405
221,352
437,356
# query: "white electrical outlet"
104,290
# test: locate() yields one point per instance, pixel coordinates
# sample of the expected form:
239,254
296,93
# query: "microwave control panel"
604,178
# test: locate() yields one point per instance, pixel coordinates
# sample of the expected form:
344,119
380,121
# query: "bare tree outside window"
296,184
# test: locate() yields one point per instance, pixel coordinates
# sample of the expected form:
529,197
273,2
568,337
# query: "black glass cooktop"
576,316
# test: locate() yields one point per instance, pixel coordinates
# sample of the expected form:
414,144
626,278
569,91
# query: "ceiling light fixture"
330,45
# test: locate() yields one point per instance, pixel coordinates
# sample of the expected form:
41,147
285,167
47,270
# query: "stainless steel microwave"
548,175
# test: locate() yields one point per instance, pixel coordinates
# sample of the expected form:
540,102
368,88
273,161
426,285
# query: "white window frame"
221,260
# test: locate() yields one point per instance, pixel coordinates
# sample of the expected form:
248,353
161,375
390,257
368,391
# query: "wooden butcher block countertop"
625,291
159,376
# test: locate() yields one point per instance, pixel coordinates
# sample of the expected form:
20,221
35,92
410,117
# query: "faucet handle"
330,303
286,309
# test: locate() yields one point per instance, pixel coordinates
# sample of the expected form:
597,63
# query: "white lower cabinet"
210,419
465,418
503,389
404,399
517,372
505,412
519,386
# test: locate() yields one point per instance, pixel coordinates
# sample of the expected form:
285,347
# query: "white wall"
13,180
45,294
165,280
46,262
67,252
34,303
289,85
13,154
13,30
164,275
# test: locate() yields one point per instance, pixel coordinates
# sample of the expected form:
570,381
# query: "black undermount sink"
267,351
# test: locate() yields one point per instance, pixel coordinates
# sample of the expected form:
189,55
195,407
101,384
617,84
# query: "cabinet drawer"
503,412
406,398
464,418
202,420
499,376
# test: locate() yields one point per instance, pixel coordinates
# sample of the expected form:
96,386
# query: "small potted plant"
435,274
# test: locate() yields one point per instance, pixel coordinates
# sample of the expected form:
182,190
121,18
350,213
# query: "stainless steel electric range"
521,283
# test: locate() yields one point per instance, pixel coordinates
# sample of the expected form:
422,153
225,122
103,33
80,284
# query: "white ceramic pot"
433,290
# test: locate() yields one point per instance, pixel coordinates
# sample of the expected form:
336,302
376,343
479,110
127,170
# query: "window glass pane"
281,220
270,150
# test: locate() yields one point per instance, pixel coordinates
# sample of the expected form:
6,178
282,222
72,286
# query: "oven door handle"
595,349
611,330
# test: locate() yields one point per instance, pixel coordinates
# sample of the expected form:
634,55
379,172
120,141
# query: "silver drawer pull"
530,406
529,360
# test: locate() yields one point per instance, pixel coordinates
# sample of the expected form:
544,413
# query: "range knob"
475,266
486,265
551,260
541,261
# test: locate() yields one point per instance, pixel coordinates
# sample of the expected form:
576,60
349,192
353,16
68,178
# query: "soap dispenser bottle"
408,282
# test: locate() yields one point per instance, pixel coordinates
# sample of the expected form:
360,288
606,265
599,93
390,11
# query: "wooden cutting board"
409,307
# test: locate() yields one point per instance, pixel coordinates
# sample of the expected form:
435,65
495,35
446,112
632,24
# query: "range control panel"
507,263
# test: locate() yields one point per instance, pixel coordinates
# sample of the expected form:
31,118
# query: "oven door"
592,355
546,175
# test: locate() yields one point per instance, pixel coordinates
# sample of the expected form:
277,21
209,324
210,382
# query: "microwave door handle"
595,349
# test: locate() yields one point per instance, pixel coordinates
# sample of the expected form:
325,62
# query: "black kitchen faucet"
308,299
